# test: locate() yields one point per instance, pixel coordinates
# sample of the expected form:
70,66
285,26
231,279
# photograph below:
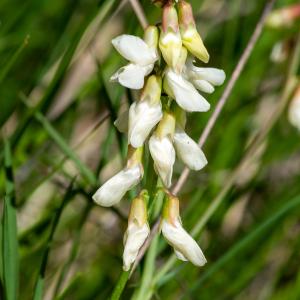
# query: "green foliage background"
58,143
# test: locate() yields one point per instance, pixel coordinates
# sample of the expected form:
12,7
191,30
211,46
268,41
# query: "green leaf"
39,286
10,256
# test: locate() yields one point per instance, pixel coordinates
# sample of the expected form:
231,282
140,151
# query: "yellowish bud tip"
152,89
138,209
190,37
170,40
134,156
166,126
171,208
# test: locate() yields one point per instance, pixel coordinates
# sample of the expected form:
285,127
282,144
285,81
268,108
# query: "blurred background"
58,143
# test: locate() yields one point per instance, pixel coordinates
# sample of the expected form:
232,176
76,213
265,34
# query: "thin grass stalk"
10,255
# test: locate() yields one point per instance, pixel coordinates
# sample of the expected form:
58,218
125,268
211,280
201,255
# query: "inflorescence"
161,65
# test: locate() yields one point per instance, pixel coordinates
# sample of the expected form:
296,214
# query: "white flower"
184,245
113,190
137,230
163,154
185,94
142,118
141,56
188,150
132,76
294,110
134,238
146,113
204,79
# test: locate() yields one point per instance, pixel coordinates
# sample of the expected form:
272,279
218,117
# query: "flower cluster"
161,65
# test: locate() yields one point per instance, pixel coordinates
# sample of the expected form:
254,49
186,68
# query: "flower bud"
284,17
185,247
113,190
162,150
146,113
294,109
170,40
137,231
189,34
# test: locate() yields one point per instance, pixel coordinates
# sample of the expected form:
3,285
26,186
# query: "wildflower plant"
166,66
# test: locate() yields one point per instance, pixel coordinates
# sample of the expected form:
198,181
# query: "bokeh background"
58,143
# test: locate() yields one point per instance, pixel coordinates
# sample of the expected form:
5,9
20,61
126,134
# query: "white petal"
203,86
132,76
183,243
135,237
134,49
294,113
189,151
122,122
212,75
163,154
142,119
185,93
113,190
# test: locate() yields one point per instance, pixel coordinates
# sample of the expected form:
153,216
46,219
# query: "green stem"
118,290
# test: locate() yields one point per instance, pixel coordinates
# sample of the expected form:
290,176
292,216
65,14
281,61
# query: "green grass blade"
73,252
10,256
65,62
63,145
39,286
274,219
10,63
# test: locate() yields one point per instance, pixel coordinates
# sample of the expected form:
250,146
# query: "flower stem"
118,290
